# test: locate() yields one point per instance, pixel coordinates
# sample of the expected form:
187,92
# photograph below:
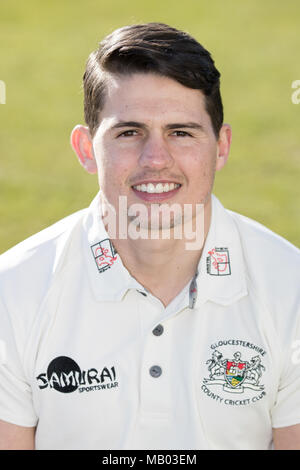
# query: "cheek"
200,172
200,165
113,170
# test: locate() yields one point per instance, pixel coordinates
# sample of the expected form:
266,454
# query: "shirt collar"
220,278
109,278
221,270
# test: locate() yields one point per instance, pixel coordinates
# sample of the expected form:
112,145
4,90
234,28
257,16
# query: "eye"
182,134
129,133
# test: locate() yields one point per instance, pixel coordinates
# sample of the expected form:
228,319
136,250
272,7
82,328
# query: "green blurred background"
43,48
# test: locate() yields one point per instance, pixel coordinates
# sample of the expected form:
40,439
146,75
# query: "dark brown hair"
156,48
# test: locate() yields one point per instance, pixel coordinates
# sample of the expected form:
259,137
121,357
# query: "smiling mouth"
156,188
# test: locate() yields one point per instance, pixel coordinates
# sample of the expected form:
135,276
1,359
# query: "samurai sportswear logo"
218,262
64,375
234,374
104,254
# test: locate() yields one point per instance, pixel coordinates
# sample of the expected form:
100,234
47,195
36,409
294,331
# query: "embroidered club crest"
235,371
234,374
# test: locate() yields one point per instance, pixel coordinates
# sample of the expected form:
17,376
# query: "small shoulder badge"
104,254
218,262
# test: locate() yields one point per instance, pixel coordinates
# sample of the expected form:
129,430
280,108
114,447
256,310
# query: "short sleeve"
16,405
286,411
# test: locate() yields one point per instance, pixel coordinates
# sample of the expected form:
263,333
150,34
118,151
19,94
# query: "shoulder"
27,270
272,266
266,251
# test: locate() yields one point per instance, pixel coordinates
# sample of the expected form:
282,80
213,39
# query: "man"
118,330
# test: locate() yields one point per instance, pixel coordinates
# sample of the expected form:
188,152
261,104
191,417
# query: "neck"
164,266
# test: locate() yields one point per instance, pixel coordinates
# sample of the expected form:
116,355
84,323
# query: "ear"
224,143
82,144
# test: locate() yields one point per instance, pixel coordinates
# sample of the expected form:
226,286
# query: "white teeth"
158,188
150,188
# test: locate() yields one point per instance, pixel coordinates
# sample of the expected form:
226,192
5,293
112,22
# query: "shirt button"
155,371
158,330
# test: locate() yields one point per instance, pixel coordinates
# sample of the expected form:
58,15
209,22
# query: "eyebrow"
140,125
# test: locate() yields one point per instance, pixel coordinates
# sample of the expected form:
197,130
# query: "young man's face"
155,143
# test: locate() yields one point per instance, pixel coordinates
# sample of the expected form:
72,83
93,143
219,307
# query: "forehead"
148,96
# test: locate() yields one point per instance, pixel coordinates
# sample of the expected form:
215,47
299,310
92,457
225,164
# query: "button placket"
155,369
158,330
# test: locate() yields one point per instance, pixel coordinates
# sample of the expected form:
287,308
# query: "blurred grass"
43,50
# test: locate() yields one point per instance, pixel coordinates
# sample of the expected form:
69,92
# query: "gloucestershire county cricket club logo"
234,374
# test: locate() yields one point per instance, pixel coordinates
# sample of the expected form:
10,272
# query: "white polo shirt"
96,362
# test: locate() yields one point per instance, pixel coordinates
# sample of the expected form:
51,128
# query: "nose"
155,153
